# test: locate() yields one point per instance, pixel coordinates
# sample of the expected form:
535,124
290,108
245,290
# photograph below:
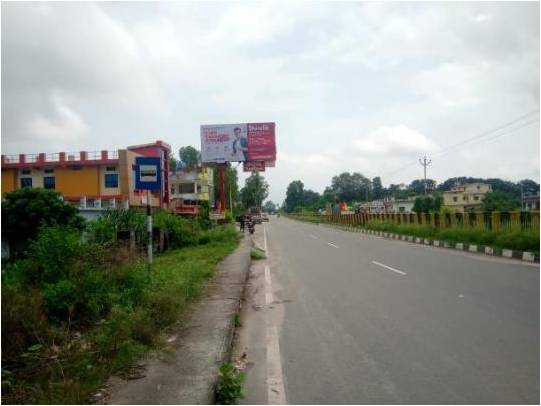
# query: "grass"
515,240
257,253
62,363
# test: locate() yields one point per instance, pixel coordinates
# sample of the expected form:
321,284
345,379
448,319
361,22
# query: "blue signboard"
148,173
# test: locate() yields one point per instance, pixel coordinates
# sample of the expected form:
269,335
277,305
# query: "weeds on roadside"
257,253
229,386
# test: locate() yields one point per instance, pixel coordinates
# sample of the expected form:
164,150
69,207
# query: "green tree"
428,204
173,163
270,207
378,191
500,201
294,195
25,210
189,156
255,191
351,186
418,186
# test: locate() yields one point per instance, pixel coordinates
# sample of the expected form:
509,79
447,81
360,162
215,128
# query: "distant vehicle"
264,217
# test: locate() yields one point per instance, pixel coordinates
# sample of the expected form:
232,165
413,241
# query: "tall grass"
65,333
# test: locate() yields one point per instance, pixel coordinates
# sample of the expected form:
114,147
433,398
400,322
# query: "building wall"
78,182
469,195
9,180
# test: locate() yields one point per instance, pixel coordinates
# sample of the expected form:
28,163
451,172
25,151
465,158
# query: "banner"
253,166
238,142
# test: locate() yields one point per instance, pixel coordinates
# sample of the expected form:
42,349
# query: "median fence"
514,221
510,234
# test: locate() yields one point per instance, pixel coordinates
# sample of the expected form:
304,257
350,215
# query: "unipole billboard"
238,142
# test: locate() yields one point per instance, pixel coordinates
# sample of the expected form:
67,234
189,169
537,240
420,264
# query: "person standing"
240,146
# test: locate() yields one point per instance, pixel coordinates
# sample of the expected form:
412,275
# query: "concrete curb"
478,249
188,372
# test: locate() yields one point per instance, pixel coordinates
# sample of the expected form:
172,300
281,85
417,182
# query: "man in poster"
240,146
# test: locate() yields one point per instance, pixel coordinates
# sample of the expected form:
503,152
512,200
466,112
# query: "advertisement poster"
238,142
253,166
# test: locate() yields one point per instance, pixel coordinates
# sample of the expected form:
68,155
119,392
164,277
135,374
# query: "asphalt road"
353,318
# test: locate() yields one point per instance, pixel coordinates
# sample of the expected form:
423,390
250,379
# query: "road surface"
335,317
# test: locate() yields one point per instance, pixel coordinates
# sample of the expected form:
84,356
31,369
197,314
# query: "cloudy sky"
367,87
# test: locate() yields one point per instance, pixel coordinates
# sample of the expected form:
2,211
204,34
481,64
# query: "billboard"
253,166
238,142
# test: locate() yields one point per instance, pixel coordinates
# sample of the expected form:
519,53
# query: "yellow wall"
82,182
9,180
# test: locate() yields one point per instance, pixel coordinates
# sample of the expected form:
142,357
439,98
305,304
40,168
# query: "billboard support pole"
149,233
221,178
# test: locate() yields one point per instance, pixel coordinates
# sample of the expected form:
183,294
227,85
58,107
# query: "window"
26,171
49,182
110,169
465,198
172,189
111,180
186,188
454,198
26,182
476,198
48,170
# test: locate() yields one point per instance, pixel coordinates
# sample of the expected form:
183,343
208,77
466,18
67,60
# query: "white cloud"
364,87
393,141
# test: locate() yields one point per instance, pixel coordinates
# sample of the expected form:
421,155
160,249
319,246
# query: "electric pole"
424,163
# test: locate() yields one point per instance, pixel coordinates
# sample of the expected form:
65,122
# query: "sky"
367,87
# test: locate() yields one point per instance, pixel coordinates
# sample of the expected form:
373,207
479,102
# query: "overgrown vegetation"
77,308
229,386
256,253
516,240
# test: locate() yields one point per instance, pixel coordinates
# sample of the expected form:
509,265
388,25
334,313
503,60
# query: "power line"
478,136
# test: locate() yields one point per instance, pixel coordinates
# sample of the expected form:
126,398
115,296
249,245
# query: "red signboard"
253,166
261,142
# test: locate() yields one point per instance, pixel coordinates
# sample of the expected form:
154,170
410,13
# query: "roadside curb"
188,372
474,248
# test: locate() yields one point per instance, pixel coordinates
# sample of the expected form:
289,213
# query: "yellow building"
88,179
466,197
189,187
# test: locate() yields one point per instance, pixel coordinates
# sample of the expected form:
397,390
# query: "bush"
229,386
101,230
26,210
56,250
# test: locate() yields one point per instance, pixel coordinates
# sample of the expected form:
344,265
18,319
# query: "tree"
351,187
418,186
378,191
189,156
428,204
173,163
500,201
255,191
25,210
294,195
270,207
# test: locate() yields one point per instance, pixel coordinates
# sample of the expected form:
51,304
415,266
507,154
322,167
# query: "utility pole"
424,163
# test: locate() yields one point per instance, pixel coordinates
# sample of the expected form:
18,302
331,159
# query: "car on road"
264,217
